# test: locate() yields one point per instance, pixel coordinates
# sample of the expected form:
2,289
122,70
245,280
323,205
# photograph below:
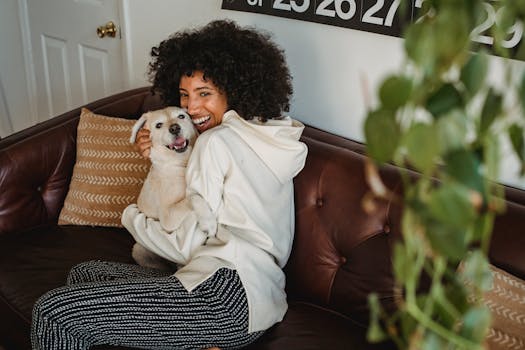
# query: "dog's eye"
181,116
158,125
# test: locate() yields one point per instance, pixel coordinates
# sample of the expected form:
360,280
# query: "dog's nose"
174,129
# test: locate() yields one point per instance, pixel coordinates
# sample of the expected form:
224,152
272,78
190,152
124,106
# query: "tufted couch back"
33,191
340,252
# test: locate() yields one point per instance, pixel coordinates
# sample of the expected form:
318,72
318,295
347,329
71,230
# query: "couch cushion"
108,172
36,261
308,326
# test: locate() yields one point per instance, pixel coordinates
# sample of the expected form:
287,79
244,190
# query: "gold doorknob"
108,29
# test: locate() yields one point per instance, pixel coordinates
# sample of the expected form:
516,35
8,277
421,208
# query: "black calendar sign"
387,17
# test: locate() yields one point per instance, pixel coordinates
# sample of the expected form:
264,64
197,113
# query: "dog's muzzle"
180,144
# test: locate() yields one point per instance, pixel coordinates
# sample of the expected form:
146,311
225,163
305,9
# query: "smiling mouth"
200,121
179,145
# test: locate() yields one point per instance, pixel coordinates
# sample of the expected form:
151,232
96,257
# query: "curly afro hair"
243,63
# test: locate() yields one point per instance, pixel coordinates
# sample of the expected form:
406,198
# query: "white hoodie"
244,170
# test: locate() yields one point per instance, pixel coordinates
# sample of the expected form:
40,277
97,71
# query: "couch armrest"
36,163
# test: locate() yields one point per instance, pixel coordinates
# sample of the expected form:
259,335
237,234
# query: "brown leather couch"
340,253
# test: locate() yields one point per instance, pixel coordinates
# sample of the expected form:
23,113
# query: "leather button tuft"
342,260
386,229
319,202
39,189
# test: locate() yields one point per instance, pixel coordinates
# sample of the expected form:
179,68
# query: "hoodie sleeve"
177,245
207,169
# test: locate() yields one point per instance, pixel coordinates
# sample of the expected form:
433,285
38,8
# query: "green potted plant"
441,116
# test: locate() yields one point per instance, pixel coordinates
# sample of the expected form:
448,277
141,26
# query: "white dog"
172,135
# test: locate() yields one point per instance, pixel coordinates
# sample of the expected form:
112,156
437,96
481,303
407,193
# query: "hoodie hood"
276,142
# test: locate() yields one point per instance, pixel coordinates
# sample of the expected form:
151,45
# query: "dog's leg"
207,221
146,258
172,216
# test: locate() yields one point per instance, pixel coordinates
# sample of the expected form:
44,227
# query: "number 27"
369,17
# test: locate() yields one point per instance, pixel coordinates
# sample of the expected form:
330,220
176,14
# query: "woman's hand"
143,143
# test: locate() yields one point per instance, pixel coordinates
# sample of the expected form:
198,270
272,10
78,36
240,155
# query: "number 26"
323,11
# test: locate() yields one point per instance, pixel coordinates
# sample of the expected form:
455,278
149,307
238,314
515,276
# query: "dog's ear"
138,125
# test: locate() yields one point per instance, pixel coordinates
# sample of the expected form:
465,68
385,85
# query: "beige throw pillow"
108,172
506,301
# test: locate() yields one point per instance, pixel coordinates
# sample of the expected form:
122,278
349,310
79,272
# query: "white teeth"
201,120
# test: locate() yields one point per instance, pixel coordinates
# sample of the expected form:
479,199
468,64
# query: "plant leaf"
491,109
400,263
451,23
476,270
465,167
518,144
473,72
445,99
491,156
456,293
521,89
431,341
452,130
449,242
450,205
382,134
395,92
420,45
476,322
423,146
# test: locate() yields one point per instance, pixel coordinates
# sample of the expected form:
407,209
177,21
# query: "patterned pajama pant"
129,305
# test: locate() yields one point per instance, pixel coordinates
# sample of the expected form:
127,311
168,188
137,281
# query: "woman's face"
203,100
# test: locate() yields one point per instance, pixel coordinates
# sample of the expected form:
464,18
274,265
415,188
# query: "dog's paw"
208,225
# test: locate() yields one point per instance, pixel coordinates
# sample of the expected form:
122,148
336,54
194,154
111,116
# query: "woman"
234,83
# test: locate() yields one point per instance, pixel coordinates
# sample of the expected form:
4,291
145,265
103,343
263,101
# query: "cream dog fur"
173,136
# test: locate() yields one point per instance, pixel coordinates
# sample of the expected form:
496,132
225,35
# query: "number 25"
292,6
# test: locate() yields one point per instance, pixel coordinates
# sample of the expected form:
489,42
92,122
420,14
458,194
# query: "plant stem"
425,321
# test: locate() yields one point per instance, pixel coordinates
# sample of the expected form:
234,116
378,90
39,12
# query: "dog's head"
171,130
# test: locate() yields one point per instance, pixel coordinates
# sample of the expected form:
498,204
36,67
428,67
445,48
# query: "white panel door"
72,64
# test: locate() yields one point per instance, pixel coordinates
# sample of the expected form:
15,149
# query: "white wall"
335,70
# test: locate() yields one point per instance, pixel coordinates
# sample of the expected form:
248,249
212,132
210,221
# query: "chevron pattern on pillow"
506,301
108,173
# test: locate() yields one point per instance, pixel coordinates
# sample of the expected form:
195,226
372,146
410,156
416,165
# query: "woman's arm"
177,244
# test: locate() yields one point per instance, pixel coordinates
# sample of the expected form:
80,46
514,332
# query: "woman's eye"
181,116
158,125
204,94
